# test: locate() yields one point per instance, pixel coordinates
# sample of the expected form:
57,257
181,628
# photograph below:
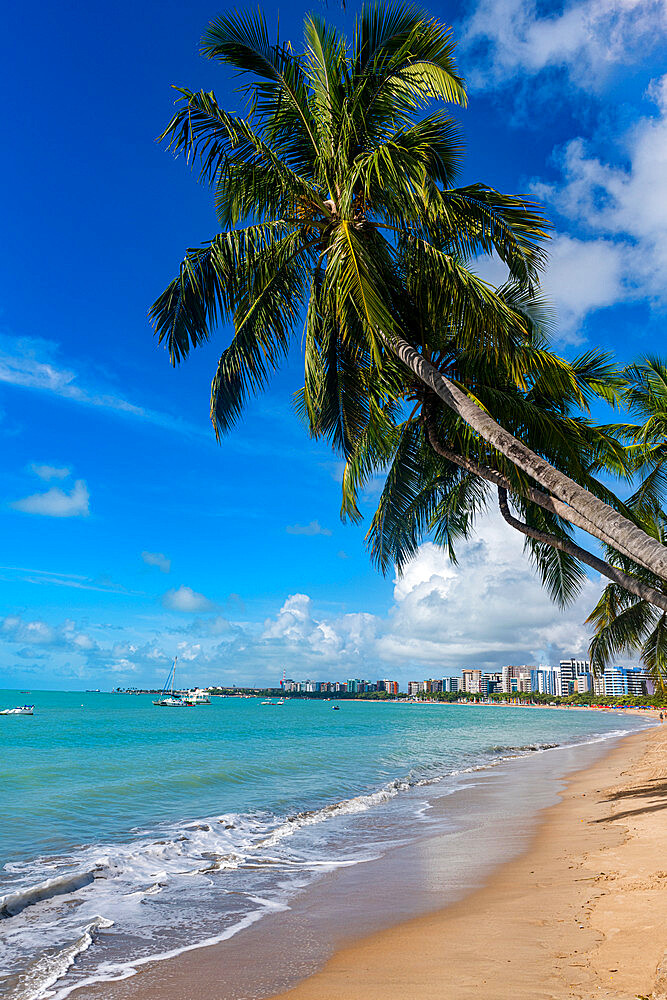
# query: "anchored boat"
169,699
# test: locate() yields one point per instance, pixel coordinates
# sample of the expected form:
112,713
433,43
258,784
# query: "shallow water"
129,831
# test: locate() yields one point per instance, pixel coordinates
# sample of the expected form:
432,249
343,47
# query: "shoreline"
213,973
580,913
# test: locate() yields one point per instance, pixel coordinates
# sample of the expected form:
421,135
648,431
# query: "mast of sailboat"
173,675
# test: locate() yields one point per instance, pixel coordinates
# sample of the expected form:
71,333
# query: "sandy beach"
580,912
583,913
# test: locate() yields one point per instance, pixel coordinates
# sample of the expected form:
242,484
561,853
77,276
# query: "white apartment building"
569,671
620,681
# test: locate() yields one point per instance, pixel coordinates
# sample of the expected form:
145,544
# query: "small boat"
336,708
20,710
168,699
197,696
276,704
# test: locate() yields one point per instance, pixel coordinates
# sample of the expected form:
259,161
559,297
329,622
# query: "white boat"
275,704
168,699
20,710
197,696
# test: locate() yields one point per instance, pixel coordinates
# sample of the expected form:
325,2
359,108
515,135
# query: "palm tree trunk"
503,485
606,524
631,583
538,497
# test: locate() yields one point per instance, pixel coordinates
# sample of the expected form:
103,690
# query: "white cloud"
623,209
57,503
583,276
619,213
505,38
50,471
314,528
32,363
157,559
186,599
40,633
487,610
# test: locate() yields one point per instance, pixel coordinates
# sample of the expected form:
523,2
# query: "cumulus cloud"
157,559
622,210
314,528
187,600
505,38
487,610
50,471
57,503
619,252
40,633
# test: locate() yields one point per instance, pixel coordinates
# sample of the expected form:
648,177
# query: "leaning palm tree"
438,476
335,181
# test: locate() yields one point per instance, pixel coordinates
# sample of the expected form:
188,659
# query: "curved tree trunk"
606,524
631,583
503,485
538,497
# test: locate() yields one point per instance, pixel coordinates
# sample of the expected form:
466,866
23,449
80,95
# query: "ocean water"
130,832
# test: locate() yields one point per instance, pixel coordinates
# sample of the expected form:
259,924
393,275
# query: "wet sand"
581,914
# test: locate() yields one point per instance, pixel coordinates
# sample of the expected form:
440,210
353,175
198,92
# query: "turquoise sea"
129,831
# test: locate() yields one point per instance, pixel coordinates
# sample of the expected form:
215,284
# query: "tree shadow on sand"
655,789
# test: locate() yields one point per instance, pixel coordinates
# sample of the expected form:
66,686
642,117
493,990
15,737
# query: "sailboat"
168,699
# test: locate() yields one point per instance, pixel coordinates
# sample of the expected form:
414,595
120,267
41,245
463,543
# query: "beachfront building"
517,679
584,683
452,684
545,680
472,680
413,689
357,686
570,670
632,681
491,683
391,687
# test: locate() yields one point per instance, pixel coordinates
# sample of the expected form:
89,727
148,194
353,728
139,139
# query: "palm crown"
332,185
335,198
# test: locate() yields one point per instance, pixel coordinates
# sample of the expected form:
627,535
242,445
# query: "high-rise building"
545,681
413,689
620,681
471,680
515,678
452,684
391,687
584,683
569,671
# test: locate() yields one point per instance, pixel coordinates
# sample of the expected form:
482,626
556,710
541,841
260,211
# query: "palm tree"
439,476
334,184
624,623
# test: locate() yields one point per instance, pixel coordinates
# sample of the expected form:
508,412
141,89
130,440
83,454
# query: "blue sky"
129,536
